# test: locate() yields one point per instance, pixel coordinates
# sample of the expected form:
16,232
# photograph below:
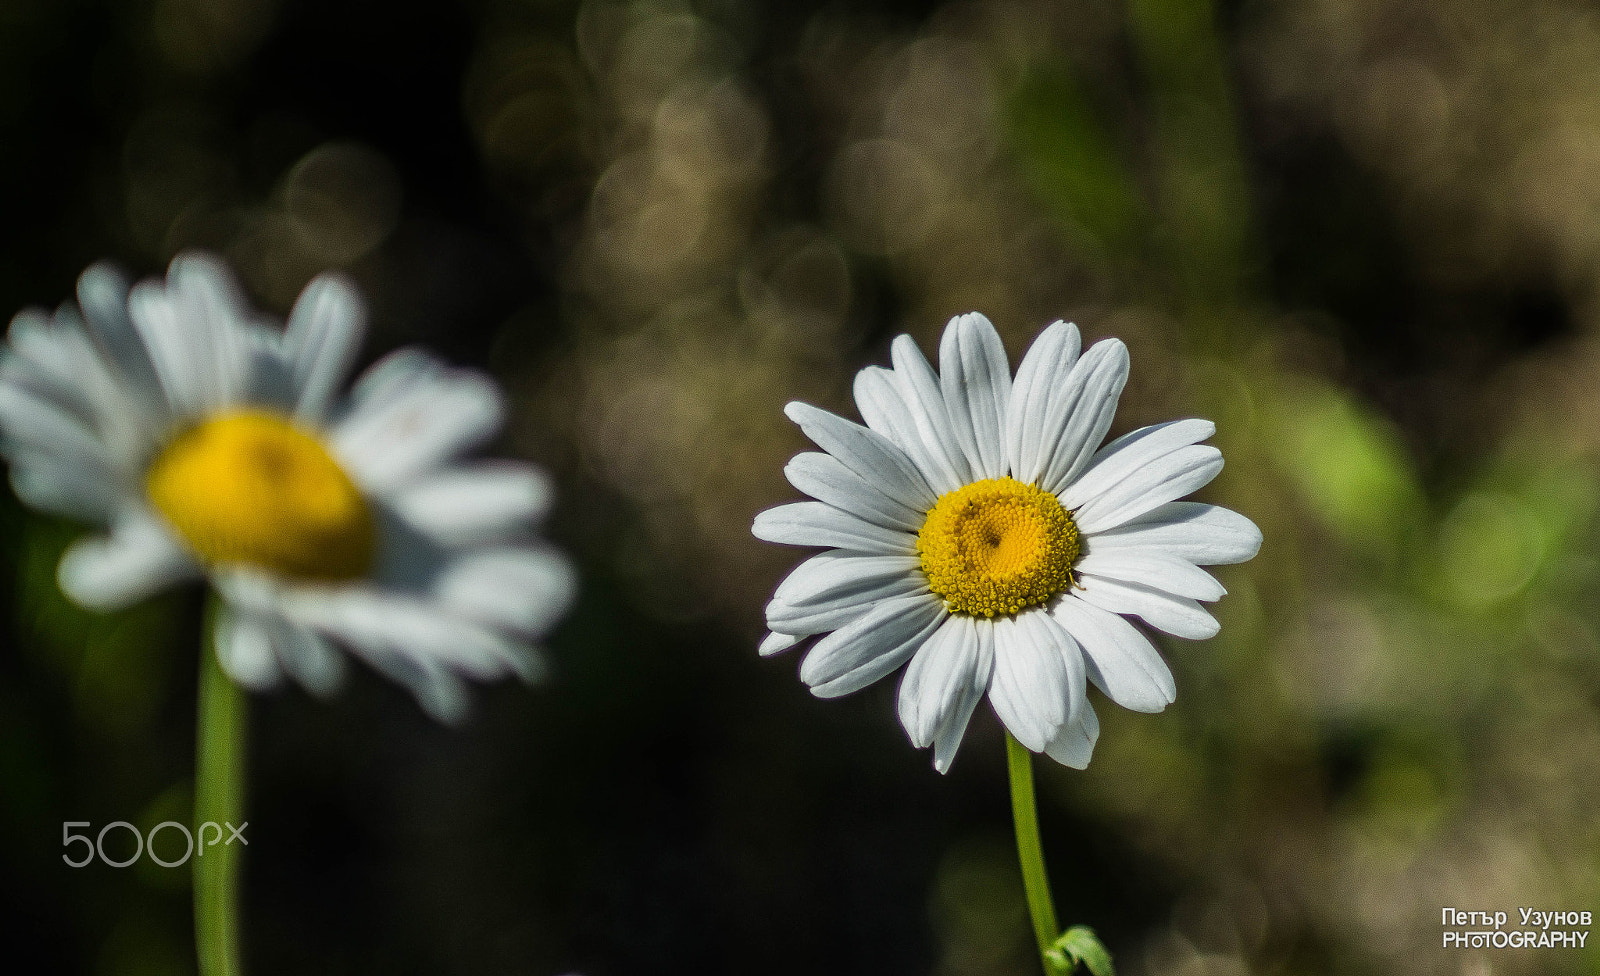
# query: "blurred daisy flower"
975,531
214,444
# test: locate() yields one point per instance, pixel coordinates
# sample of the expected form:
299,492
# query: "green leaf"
1079,945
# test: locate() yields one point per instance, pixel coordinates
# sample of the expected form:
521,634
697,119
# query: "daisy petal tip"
1252,540
776,643
1115,350
970,320
103,282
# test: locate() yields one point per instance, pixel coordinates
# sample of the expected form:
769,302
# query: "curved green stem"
1035,882
219,781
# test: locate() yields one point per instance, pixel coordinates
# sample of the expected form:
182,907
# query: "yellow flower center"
997,546
250,487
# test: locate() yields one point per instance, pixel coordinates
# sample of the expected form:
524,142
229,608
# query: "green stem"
219,779
1035,882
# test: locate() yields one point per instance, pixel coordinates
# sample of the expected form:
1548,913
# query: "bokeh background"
1364,237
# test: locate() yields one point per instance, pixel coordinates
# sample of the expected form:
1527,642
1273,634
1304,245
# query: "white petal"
1080,412
80,488
816,524
193,331
244,649
831,589
1163,480
776,642
1205,534
919,391
949,737
53,359
817,616
321,340
310,658
883,406
868,648
103,297
1178,616
1153,568
1130,452
831,574
975,378
1031,691
1074,745
1047,632
437,689
867,452
410,414
470,504
827,479
385,628
42,425
1118,659
1051,356
138,558
522,589
942,674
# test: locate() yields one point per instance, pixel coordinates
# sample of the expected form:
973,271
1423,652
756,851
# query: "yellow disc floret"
250,487
997,546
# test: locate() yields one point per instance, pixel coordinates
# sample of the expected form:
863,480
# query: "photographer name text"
1534,929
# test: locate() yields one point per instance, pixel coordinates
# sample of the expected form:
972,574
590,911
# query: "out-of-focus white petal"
103,297
475,503
193,329
137,559
382,626
39,424
522,589
410,414
321,338
309,657
81,488
244,649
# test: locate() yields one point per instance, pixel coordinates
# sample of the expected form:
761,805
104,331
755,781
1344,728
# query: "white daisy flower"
975,531
214,444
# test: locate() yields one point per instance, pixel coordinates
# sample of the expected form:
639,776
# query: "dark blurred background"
1362,237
